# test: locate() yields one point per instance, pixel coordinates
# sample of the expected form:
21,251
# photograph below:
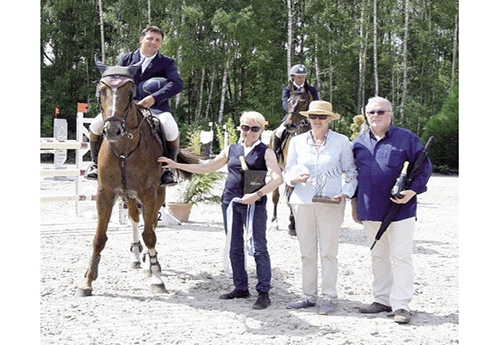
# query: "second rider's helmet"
298,70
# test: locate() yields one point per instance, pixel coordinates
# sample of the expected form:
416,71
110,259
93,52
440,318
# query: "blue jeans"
237,250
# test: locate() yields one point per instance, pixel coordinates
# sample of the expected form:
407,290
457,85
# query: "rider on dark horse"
157,80
297,82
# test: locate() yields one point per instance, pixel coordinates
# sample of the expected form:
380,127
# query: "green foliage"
444,128
194,140
246,41
357,122
232,134
200,186
199,189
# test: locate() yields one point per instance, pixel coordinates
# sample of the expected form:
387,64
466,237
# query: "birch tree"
363,38
405,60
375,47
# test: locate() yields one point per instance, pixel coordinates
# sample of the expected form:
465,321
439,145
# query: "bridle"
114,82
293,127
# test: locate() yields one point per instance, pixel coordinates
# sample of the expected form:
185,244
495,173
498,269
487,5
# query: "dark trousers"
237,249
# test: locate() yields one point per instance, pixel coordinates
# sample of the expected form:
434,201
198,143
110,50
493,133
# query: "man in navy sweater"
379,154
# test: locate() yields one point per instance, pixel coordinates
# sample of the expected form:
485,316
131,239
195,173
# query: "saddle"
156,129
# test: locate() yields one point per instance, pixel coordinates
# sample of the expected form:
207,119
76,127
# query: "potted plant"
199,189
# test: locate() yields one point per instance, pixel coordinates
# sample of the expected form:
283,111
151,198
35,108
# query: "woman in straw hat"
316,162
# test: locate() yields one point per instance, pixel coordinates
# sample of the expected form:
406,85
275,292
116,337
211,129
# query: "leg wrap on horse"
136,244
94,267
153,261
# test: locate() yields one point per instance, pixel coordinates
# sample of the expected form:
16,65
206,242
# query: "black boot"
91,171
277,145
168,176
263,301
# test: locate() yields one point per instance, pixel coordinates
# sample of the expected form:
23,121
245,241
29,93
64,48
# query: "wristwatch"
259,193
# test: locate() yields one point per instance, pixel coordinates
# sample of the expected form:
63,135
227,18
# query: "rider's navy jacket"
160,66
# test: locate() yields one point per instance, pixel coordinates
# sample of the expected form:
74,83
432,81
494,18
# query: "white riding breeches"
170,127
279,131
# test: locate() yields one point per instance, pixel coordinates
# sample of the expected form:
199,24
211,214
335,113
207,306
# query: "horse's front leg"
136,245
291,225
276,199
291,218
150,216
105,201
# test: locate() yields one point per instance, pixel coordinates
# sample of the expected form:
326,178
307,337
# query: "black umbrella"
393,210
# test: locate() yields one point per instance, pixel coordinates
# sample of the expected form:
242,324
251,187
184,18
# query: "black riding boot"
91,171
168,176
277,145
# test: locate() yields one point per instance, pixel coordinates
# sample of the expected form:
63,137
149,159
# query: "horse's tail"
186,156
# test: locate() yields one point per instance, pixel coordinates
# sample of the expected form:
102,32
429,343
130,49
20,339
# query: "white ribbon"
248,234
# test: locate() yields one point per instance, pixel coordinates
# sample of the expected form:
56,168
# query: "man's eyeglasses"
321,117
378,112
246,128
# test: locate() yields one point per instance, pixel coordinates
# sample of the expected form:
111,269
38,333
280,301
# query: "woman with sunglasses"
257,156
316,162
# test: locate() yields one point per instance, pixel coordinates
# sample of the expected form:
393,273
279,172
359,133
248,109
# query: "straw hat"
321,108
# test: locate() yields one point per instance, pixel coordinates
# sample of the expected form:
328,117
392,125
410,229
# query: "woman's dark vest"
255,160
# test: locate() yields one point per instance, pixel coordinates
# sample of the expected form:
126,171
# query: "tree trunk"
362,59
149,12
200,98
223,89
290,36
180,51
210,92
405,61
316,60
330,65
375,59
101,24
455,49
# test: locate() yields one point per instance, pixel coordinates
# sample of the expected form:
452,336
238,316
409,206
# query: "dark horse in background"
128,168
295,124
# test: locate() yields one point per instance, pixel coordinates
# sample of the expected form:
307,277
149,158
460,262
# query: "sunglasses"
321,117
378,112
246,128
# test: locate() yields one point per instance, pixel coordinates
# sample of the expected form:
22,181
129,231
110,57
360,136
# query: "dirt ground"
122,309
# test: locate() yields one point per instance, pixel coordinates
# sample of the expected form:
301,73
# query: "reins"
115,83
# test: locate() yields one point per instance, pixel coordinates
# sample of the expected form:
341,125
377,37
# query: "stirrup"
91,172
167,178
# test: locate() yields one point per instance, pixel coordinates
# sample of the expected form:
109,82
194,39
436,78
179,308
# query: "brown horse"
295,124
128,168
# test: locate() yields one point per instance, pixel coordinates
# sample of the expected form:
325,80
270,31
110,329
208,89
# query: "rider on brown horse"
297,82
157,81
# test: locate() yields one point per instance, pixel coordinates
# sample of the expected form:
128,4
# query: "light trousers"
170,127
392,264
318,227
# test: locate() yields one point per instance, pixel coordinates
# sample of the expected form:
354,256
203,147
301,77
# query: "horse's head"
295,122
115,94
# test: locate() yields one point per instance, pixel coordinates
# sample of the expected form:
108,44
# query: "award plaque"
253,180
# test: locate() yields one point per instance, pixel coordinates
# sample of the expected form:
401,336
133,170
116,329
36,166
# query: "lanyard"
248,233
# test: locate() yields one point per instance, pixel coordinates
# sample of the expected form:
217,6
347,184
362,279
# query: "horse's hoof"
292,232
158,288
83,292
135,265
